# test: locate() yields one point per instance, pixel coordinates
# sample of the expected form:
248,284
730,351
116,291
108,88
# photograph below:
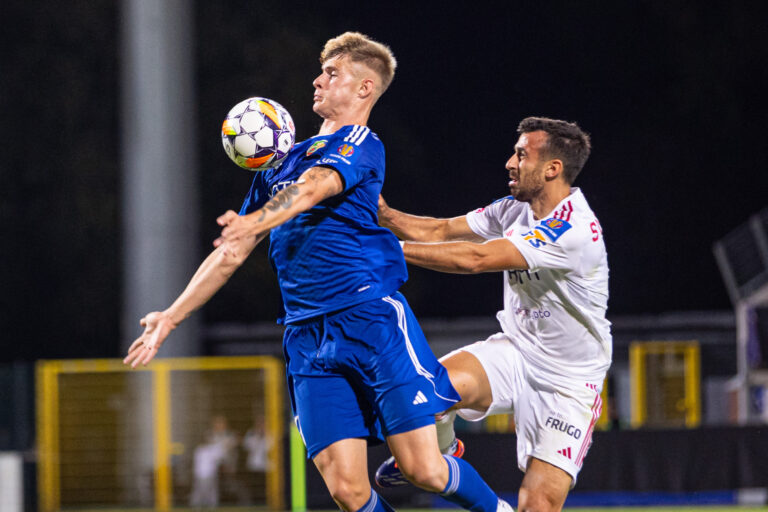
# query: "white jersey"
554,311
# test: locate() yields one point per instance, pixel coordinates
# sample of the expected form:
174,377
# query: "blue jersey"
335,254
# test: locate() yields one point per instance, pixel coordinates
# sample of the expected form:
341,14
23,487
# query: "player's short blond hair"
361,48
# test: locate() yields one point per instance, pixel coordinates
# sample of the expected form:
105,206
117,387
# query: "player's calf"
544,487
389,474
537,503
427,475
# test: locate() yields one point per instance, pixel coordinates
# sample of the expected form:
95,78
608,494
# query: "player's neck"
543,204
333,124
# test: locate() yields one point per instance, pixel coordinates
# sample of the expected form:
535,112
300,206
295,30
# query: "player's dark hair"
565,141
361,48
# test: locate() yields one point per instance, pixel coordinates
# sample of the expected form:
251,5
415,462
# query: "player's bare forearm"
465,257
314,186
212,274
424,229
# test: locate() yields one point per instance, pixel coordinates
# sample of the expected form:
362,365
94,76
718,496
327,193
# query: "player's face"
526,167
337,87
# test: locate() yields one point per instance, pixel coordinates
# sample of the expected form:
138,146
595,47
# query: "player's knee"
348,495
431,476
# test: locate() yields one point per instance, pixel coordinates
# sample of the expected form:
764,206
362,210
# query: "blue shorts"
363,372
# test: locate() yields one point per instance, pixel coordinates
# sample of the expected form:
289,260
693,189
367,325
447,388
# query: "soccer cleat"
389,475
503,506
457,448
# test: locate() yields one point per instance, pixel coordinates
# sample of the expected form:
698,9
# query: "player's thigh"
489,376
469,378
544,487
554,424
329,409
381,348
327,406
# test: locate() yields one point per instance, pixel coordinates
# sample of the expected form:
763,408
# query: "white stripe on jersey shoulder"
357,135
352,134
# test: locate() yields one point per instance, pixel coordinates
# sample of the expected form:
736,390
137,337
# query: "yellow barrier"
109,436
666,380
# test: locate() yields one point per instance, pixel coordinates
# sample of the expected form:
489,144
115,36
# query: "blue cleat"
389,475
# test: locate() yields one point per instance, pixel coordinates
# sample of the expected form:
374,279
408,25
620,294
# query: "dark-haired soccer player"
548,363
358,366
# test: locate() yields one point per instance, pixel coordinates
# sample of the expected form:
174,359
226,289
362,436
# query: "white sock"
446,436
503,506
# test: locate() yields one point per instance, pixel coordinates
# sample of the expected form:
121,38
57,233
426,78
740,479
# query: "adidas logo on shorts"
419,398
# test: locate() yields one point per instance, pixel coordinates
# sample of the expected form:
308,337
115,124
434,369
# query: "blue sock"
376,504
466,487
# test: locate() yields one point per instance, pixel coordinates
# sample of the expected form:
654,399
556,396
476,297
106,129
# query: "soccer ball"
258,133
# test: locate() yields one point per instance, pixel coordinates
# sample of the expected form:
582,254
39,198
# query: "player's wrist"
172,318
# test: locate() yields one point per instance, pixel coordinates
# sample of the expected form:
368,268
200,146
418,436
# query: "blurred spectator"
257,445
217,452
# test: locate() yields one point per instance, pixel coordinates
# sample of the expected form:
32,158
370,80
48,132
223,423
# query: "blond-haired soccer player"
548,363
358,366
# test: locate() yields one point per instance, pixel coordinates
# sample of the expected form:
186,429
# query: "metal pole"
160,197
159,203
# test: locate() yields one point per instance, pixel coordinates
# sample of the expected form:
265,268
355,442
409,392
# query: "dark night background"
671,92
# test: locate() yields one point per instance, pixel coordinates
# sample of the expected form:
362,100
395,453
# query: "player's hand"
384,213
235,227
382,204
157,326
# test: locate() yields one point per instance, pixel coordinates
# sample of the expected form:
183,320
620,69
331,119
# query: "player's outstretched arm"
424,229
466,257
212,274
313,186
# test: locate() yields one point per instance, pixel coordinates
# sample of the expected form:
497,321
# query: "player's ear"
553,169
367,87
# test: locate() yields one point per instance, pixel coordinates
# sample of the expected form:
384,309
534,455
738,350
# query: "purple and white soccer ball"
258,133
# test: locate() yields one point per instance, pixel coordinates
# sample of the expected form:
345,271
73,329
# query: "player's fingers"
149,354
136,344
152,346
135,362
132,355
139,357
225,219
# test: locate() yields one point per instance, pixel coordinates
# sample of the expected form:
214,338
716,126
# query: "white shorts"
554,420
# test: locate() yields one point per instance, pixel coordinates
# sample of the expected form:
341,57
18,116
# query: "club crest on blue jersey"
345,150
548,230
316,145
